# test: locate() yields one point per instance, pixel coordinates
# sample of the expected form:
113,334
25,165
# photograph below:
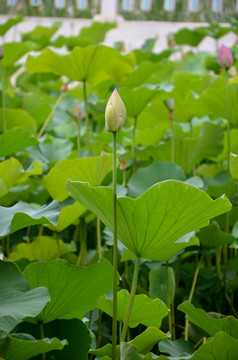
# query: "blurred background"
135,20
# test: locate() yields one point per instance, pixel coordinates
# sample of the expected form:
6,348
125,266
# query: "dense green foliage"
177,205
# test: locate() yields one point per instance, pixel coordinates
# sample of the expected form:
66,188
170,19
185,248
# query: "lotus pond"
118,244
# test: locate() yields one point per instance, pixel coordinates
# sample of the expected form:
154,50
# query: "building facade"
156,10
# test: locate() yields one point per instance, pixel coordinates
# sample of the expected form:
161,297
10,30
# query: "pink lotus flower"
224,57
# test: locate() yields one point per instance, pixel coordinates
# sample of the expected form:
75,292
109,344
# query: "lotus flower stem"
133,144
228,149
131,300
98,237
41,132
42,335
195,277
172,135
168,302
114,324
86,117
3,100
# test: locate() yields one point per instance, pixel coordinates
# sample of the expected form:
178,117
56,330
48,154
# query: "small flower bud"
1,52
64,87
169,103
115,114
224,57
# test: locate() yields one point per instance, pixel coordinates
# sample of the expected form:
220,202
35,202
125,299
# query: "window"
35,2
146,5
127,5
169,5
217,5
11,2
82,4
193,5
59,3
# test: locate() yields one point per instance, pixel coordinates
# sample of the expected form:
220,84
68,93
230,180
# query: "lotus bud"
224,57
1,52
169,103
115,114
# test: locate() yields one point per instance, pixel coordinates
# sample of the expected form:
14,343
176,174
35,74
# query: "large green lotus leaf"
24,346
77,335
88,36
14,51
193,63
156,172
9,23
92,170
73,289
234,165
188,151
158,283
144,342
151,223
220,347
37,106
12,172
152,123
14,140
185,241
74,331
153,310
188,37
213,236
187,89
92,63
17,118
51,150
41,35
213,103
136,100
140,75
233,145
199,317
176,348
42,248
22,215
69,214
17,301
214,30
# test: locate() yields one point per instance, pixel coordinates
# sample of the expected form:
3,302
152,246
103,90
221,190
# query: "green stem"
83,245
50,115
58,248
131,300
228,149
133,144
78,136
191,132
42,337
168,302
195,277
114,206
218,260
86,117
99,237
4,127
172,136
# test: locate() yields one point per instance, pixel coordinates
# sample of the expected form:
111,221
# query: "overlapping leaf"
17,301
153,310
73,289
22,215
151,223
